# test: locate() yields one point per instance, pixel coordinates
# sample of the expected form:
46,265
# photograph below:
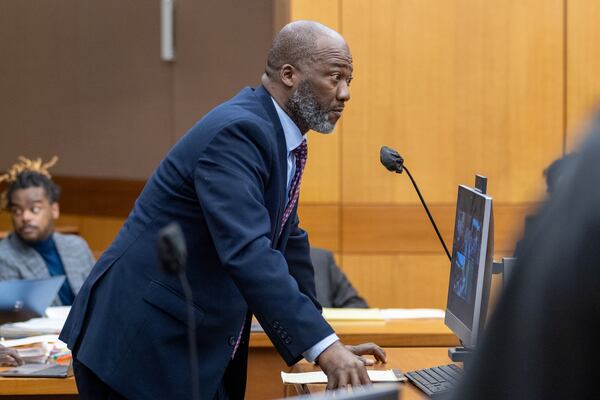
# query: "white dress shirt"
293,139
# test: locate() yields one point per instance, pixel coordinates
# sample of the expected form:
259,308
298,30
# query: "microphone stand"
428,213
394,162
172,254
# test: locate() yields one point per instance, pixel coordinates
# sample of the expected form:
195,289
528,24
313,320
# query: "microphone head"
171,249
391,159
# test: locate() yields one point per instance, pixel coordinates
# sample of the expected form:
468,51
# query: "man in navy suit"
232,184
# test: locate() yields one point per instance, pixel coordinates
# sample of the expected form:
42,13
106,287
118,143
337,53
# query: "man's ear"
55,210
289,75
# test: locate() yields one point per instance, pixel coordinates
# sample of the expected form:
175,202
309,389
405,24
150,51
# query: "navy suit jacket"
225,183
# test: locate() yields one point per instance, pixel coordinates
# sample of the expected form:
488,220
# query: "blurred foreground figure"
542,340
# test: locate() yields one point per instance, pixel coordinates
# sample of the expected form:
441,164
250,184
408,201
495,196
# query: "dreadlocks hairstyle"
26,174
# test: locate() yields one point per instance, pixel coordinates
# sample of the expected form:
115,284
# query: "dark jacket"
333,288
225,183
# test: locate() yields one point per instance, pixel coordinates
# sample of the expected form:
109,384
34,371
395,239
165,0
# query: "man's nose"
27,215
343,92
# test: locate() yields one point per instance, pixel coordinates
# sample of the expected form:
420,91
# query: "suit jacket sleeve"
297,255
230,179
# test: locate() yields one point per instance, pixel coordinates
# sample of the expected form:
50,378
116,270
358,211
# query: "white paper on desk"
31,340
35,326
352,314
320,377
412,313
58,312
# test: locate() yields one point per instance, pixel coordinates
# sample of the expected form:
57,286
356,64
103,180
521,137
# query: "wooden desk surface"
264,364
37,386
394,333
407,359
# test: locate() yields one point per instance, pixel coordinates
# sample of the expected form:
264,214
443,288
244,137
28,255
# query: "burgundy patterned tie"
301,153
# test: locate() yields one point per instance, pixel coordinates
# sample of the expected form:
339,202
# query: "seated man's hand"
9,357
370,349
342,367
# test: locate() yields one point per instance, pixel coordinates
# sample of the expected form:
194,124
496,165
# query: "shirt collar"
293,136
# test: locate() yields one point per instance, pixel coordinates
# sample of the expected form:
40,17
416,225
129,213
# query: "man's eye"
36,210
15,211
348,81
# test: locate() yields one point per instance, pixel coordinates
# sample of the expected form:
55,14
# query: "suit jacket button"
288,340
276,325
232,340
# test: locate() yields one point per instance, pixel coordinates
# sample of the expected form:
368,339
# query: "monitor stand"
460,354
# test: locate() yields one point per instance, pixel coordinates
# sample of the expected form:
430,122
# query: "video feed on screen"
467,255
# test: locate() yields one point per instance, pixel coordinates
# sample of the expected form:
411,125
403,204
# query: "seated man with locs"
34,250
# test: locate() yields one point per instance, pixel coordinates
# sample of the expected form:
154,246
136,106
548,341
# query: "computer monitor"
471,266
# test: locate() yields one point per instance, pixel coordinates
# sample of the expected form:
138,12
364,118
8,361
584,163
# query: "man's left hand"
370,349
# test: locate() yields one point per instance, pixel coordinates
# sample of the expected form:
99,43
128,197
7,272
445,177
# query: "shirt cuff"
311,354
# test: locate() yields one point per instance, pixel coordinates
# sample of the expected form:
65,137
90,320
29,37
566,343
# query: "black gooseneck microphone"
395,163
172,255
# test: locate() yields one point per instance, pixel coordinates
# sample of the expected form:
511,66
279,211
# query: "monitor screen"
471,267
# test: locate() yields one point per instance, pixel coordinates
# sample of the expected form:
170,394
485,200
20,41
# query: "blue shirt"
47,249
293,139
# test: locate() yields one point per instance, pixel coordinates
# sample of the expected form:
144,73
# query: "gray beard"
306,111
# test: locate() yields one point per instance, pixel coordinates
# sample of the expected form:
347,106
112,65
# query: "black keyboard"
436,381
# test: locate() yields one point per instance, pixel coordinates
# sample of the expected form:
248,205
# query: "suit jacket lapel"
28,257
282,159
70,259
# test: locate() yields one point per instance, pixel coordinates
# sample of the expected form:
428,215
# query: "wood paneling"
458,87
321,181
98,196
583,64
393,281
326,12
407,229
322,222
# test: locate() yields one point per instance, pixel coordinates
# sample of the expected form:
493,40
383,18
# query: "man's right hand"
342,367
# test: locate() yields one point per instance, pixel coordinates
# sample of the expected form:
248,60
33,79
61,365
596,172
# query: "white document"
35,326
52,325
58,312
412,313
31,340
376,314
352,314
320,377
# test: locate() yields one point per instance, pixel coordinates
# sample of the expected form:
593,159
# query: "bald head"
308,73
299,43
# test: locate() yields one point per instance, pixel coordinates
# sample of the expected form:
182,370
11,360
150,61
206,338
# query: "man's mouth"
28,229
337,111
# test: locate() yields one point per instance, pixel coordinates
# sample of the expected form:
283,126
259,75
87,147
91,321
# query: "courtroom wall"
458,87
83,78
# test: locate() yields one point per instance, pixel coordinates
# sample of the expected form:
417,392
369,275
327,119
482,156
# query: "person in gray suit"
34,250
333,288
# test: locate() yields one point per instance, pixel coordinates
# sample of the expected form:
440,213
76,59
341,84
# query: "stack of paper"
37,326
34,349
36,353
